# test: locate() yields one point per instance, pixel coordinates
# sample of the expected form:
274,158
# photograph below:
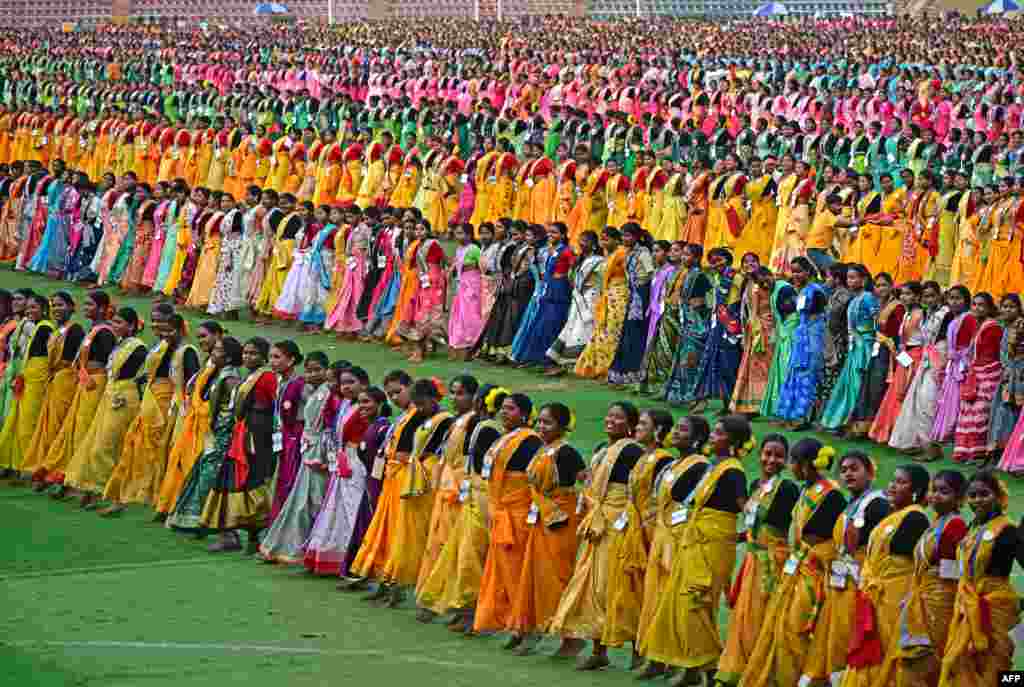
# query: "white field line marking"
246,648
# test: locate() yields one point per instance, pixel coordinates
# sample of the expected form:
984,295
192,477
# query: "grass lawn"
127,603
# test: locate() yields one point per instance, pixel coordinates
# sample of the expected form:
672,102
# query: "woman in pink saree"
423,315
466,321
343,318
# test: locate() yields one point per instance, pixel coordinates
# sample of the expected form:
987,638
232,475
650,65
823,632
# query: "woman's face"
90,309
719,440
956,301
398,394
252,358
883,288
218,355
486,235
548,427
422,232
773,458
349,386
797,274
628,239
122,328
1008,310
942,497
900,491
680,436
616,423
61,310
855,475
660,256
511,416
854,280
315,372
553,234
646,433
33,310
980,309
280,361
369,409
908,298
750,264
981,498
18,303
675,253
462,399
426,405
206,340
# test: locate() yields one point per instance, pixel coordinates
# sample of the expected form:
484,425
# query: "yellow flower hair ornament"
746,449
667,441
1003,497
571,427
491,399
533,416
824,457
706,449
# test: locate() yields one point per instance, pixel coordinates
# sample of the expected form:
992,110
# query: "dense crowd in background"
815,222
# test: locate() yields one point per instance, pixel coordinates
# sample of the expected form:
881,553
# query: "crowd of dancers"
824,242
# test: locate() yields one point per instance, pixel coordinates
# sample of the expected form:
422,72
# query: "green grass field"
124,602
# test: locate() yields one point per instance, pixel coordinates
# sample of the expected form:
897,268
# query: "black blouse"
135,361
729,490
779,514
485,438
570,464
823,521
520,460
627,460
37,347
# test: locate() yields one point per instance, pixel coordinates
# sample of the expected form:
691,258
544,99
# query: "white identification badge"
904,359
680,516
949,569
278,442
486,472
529,183
579,504
876,349
750,519
352,263
791,565
382,261
378,468
463,491
425,281
801,302
621,521
491,180
805,681
533,515
463,179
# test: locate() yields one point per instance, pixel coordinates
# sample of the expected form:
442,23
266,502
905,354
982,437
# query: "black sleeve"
628,458
102,346
473,422
1004,551
436,441
701,286
661,465
787,300
906,537
780,512
569,463
135,361
408,433
40,337
686,482
875,513
72,342
823,521
818,303
730,488
484,440
292,229
520,460
191,363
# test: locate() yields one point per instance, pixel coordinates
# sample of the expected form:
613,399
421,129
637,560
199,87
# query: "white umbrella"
1002,7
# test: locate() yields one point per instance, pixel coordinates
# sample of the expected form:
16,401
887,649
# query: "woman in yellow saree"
759,231
94,459
967,259
597,356
616,196
453,584
922,212
766,520
793,616
590,212
501,192
864,247
886,576
508,505
484,178
786,186
408,182
551,542
914,654
672,217
140,468
630,538
31,373
445,477
867,507
90,378
283,253
62,350
684,630
890,243
987,606
582,611
688,436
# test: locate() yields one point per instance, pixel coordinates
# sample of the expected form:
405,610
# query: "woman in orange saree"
551,542
582,611
766,519
508,501
697,205
783,649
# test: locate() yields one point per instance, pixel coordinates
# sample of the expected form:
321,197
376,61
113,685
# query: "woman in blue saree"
628,364
807,359
720,364
552,297
862,326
